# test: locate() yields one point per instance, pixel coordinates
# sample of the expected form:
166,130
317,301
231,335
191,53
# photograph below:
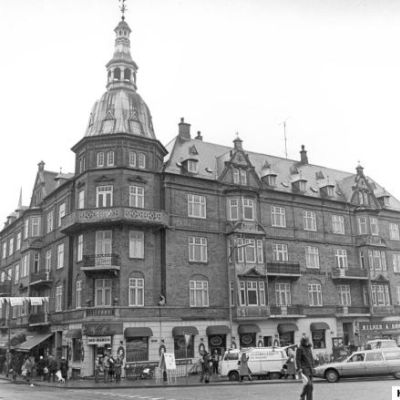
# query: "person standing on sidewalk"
118,369
305,366
244,369
106,366
215,361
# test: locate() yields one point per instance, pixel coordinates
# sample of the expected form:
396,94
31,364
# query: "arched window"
127,74
117,74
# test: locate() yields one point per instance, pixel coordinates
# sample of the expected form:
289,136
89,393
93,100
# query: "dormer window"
192,166
108,126
235,174
299,186
327,191
239,176
270,180
363,198
135,127
302,186
243,177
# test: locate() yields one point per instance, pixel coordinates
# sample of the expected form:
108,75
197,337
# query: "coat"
290,363
305,359
244,369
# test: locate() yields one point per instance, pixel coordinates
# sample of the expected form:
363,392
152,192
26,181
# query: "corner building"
146,247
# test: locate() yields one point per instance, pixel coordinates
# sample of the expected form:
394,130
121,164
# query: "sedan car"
362,364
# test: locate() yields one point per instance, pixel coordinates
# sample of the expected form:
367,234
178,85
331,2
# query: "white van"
264,362
380,344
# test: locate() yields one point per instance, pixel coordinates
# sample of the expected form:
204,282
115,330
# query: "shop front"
216,335
286,333
36,344
248,335
388,328
184,341
318,335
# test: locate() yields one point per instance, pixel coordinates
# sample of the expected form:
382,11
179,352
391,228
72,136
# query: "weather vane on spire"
123,8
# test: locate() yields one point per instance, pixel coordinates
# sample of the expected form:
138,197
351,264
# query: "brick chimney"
184,130
303,155
199,136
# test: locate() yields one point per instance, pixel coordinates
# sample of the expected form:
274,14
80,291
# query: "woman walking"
244,369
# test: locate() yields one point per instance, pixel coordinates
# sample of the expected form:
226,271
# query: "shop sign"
103,329
215,340
378,326
98,340
246,339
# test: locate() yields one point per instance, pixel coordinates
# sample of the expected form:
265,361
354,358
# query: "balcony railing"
101,262
100,312
40,318
5,288
370,240
129,215
283,269
349,273
39,278
286,311
383,311
252,312
352,310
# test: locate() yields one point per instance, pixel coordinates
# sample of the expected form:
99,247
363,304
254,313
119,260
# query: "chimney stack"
41,166
199,137
237,143
303,155
184,130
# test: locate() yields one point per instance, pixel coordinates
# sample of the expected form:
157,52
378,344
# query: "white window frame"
312,257
198,294
310,220
197,249
235,176
398,295
11,247
103,292
192,166
394,233
136,292
380,295
78,293
60,256
59,298
136,196
280,252
104,196
396,262
25,265
248,205
18,242
341,259
110,158
4,251
278,217
374,226
50,221
61,213
283,294
26,228
35,226
315,295
338,224
243,176
362,225
141,160
103,243
16,273
233,209
136,244
79,248
344,294
377,260
197,206
260,252
100,159
132,159
81,199
48,260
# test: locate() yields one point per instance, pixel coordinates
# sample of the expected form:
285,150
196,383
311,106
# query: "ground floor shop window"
76,349
286,338
318,339
137,349
217,342
183,350
248,340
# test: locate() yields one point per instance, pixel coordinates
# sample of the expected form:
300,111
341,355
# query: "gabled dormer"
45,182
363,193
268,175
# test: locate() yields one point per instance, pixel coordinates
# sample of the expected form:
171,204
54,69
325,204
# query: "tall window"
81,199
380,295
249,251
362,225
235,175
252,293
338,224
18,243
394,232
243,177
278,216
25,266
59,296
78,298
198,293
132,159
398,295
35,223
110,158
248,209
48,260
79,250
197,249
196,206
136,244
233,209
283,295
141,160
136,196
363,262
102,296
4,251
11,247
103,243
50,221
377,260
396,262
373,223
314,294
312,257
60,255
280,252
136,292
26,228
16,273
104,196
310,221
100,159
344,295
341,258
61,213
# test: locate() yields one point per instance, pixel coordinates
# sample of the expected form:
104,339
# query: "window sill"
198,262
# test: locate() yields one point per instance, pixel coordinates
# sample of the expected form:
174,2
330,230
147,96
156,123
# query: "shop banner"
98,340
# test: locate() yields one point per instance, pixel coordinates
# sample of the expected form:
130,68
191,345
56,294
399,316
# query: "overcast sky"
330,68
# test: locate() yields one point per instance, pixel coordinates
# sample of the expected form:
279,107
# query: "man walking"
305,365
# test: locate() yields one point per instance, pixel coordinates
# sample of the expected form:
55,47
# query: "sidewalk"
191,380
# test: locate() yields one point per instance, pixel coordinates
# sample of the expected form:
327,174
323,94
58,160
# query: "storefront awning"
32,342
248,328
138,332
184,330
217,330
288,327
16,339
317,326
74,334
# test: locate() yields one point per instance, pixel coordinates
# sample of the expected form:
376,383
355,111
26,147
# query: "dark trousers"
307,392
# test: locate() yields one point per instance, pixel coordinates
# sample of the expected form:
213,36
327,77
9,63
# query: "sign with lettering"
103,329
98,340
379,326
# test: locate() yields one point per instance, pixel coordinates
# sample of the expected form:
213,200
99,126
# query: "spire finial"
123,8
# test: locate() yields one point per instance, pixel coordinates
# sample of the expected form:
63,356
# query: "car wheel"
331,375
397,375
233,376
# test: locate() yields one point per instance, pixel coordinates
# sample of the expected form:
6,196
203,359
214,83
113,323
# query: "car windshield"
231,356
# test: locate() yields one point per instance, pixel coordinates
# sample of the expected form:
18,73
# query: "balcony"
40,318
251,313
351,311
383,311
101,263
289,270
128,215
5,288
42,278
292,311
350,273
370,240
97,312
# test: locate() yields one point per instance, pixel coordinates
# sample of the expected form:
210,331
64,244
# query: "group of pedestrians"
209,365
108,367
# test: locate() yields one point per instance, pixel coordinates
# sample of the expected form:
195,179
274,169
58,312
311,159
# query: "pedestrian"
206,367
106,367
305,365
118,369
244,369
291,363
98,368
111,370
53,367
27,369
64,367
40,367
215,361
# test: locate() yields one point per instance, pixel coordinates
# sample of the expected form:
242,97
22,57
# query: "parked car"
363,363
264,362
380,344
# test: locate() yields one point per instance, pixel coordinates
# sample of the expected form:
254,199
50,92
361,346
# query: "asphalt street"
353,390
